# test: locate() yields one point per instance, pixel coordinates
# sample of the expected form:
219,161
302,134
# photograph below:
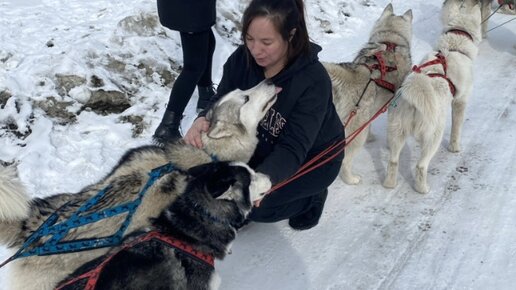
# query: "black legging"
198,51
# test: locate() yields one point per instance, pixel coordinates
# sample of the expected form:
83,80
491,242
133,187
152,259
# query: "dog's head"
234,120
393,28
464,15
216,201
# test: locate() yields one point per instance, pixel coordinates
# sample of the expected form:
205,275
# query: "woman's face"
266,45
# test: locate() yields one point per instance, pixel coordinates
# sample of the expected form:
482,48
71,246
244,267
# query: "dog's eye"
246,98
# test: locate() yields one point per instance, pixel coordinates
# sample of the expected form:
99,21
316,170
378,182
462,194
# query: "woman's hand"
193,136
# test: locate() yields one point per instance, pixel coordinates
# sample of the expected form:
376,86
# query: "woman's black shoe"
309,218
168,129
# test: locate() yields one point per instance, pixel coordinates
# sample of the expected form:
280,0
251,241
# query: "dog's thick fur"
215,203
423,100
232,137
351,80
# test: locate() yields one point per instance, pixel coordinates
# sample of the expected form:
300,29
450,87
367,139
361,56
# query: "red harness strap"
460,32
440,59
93,274
383,68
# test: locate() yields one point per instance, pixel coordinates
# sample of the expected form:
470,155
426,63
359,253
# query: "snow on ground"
459,236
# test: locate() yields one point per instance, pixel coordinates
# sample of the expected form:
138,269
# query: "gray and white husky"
232,137
368,82
444,76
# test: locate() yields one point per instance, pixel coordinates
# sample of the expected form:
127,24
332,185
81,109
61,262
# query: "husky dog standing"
232,136
445,76
368,82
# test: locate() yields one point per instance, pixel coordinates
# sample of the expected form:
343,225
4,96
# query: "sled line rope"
94,274
335,149
499,6
357,105
59,231
501,24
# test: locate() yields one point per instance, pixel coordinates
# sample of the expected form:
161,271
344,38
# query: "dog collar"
460,32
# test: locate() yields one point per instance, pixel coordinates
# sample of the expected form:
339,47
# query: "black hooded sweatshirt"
303,121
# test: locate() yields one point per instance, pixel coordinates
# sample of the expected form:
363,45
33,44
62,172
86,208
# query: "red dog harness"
92,276
383,68
440,59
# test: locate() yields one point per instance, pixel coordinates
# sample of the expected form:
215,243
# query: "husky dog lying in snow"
444,76
368,82
45,228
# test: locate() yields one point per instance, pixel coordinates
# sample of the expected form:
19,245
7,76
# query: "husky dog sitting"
215,203
445,76
232,137
367,83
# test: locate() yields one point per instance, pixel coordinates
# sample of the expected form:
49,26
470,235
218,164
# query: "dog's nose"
269,82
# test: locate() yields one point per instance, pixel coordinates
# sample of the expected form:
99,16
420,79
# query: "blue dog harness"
59,231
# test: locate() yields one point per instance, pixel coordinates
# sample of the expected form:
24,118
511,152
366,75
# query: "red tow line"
334,150
94,274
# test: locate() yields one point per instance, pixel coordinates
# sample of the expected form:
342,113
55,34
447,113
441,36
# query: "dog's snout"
269,82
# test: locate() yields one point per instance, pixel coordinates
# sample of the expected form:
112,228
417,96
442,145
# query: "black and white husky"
197,227
52,238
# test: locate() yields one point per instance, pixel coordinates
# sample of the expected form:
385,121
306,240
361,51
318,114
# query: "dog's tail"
419,92
14,201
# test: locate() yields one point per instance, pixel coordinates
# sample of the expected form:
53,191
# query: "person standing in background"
193,19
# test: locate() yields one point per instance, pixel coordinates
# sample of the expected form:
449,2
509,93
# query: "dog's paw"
389,183
259,186
422,188
454,147
350,179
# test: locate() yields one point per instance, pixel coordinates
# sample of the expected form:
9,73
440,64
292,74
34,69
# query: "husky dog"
232,137
445,76
215,203
366,84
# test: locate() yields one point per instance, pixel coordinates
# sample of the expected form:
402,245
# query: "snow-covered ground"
461,235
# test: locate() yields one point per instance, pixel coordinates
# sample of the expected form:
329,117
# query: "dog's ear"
203,169
408,15
219,130
388,10
216,177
